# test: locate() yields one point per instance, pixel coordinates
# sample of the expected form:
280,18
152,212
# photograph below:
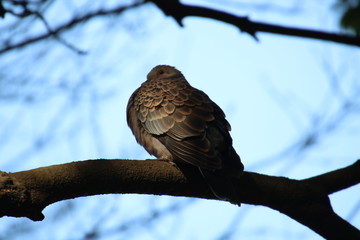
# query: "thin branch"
27,193
57,37
179,11
67,26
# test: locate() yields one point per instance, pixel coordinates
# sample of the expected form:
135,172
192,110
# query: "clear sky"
276,94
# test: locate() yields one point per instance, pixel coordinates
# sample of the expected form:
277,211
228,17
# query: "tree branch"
27,193
179,11
337,180
67,26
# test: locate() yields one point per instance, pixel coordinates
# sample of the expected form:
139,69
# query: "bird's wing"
189,124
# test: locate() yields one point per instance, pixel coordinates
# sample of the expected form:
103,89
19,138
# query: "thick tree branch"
337,180
179,11
27,193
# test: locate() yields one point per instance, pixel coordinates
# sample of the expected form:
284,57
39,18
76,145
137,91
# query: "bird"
178,123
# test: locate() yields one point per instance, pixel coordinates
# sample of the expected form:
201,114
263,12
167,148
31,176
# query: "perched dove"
176,122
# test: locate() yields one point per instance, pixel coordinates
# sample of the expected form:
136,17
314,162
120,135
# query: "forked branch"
27,193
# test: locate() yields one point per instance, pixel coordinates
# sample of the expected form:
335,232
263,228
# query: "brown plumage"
176,122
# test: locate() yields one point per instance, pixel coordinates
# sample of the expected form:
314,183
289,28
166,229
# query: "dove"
178,123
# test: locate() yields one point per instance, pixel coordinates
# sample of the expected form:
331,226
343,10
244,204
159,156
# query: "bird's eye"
161,72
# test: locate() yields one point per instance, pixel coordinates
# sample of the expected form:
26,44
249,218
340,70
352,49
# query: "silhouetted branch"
179,11
337,180
27,193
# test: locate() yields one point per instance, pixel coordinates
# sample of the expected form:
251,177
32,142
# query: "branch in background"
55,31
58,37
27,193
179,11
2,10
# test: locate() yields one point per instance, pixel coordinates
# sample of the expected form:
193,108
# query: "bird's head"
163,71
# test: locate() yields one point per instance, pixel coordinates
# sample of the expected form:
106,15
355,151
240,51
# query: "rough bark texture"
27,193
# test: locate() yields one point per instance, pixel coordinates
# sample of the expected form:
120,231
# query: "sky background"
293,104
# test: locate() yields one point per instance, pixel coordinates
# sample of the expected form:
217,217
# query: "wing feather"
196,151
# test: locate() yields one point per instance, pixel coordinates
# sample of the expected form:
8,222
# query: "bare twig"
57,37
67,26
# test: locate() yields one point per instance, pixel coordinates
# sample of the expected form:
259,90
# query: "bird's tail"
221,186
232,165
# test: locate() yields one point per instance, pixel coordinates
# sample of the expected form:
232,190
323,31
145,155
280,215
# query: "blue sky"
275,93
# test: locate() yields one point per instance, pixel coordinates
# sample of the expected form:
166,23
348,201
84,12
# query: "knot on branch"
17,199
172,9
